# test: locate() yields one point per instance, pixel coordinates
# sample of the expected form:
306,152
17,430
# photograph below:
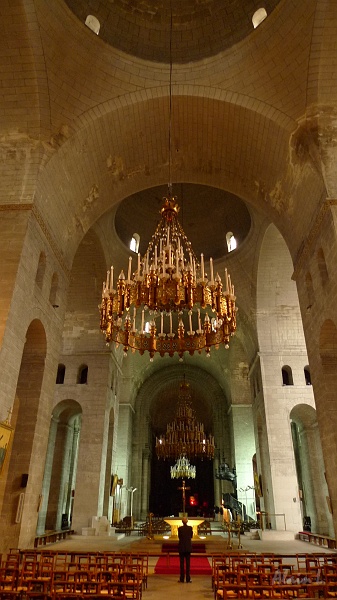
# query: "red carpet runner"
170,566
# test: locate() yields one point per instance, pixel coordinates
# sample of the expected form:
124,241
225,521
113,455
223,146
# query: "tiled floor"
167,586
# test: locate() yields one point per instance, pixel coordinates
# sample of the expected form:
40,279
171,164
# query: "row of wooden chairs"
274,576
46,575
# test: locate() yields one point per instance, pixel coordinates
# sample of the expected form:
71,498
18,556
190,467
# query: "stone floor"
160,585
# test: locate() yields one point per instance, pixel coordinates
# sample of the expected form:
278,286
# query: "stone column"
65,478
320,329
314,483
88,500
145,483
47,476
123,451
283,497
244,448
73,470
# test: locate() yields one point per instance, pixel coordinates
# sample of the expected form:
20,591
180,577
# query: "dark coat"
185,534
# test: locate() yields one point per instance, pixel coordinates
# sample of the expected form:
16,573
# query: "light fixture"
188,309
183,469
185,437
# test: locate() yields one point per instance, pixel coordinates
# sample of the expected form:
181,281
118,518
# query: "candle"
111,278
169,251
142,325
129,270
190,320
199,320
170,322
168,237
161,322
164,263
107,279
202,267
138,264
134,319
211,268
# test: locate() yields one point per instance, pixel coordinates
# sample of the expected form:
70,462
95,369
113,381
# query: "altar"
175,522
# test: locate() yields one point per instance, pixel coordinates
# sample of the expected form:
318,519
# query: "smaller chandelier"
183,469
185,436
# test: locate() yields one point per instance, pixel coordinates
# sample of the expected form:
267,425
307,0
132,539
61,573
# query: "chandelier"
168,303
187,311
182,468
185,437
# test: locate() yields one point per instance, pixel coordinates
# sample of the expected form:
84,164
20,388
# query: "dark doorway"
166,498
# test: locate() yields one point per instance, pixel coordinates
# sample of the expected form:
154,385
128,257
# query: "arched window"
259,16
231,241
287,375
82,376
61,371
93,24
134,244
147,327
41,269
53,290
307,375
323,271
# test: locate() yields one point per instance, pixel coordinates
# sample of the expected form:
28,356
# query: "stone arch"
155,406
277,297
28,441
142,169
59,480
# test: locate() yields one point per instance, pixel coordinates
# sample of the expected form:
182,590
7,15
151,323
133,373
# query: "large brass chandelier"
168,303
187,311
185,436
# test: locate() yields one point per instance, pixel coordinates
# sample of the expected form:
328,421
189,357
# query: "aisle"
164,586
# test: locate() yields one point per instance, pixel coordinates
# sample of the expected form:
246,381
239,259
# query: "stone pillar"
72,470
283,498
47,476
320,329
314,483
107,507
146,458
88,500
65,478
123,451
244,449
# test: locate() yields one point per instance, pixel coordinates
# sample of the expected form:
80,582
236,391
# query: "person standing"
185,533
